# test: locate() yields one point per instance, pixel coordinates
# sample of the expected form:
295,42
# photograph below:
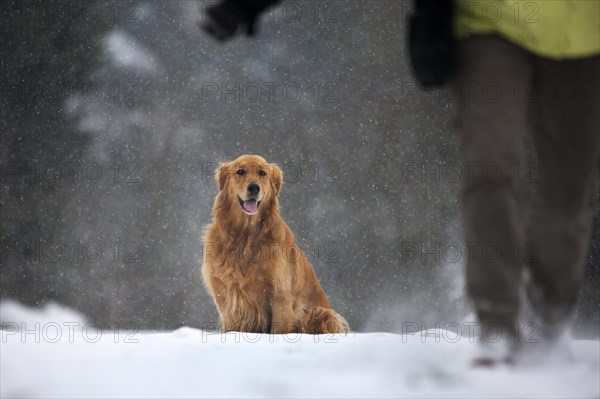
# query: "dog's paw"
330,322
342,324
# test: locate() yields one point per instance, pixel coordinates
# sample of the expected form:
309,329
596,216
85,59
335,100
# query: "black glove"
431,42
223,20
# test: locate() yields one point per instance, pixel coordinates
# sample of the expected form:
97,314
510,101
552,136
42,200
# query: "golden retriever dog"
258,277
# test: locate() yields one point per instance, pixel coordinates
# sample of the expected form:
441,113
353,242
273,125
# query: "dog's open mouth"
250,205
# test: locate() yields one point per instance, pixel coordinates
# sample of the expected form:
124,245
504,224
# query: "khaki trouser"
509,94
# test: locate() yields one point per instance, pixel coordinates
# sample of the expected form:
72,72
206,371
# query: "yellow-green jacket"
550,28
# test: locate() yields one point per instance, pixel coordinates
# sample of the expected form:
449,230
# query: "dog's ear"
221,175
276,178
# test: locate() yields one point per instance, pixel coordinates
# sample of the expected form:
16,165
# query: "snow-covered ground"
60,359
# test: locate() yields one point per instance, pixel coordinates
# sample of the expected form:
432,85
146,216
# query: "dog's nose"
253,189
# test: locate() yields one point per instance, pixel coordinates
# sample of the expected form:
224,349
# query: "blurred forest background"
114,116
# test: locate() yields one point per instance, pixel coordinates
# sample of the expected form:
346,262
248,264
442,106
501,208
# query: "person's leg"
491,122
566,135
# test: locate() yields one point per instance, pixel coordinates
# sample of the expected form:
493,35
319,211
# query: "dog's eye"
262,173
240,172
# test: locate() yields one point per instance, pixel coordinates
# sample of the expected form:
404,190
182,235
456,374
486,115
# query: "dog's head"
250,181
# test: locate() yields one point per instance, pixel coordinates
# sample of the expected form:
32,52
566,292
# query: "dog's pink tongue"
251,205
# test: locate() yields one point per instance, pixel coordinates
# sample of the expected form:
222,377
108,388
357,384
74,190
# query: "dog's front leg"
283,318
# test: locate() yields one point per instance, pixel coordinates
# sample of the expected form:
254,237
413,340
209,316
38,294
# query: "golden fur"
258,277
